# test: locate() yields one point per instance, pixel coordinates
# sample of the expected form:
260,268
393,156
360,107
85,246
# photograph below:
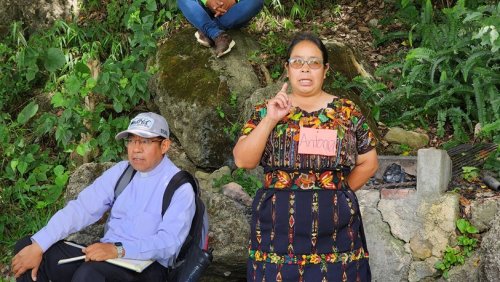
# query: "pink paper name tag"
317,141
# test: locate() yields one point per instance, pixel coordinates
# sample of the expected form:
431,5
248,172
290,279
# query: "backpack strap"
195,232
124,180
180,178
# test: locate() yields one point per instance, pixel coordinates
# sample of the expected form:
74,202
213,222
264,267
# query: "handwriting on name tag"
318,141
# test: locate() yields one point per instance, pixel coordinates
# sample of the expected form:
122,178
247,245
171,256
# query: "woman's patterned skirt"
311,234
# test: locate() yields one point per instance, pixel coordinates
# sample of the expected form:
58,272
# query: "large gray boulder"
199,94
413,139
490,252
229,228
81,178
483,212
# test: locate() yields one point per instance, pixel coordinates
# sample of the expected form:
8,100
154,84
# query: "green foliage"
94,75
249,182
451,75
227,113
465,245
470,173
405,149
492,163
295,8
272,51
30,179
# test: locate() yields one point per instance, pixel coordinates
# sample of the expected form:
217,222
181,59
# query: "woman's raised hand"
280,105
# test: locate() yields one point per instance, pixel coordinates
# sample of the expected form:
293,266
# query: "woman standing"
316,150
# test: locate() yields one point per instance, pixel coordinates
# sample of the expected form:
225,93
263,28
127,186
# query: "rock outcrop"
35,14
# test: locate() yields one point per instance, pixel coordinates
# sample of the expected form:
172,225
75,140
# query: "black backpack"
194,256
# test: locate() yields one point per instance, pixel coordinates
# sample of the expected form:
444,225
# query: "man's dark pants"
81,271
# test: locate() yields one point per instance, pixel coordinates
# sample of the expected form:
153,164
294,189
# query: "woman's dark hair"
309,37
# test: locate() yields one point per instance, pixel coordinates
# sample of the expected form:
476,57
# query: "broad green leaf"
151,5
462,224
20,143
22,167
472,230
31,73
27,113
73,85
41,204
13,164
82,68
31,181
61,180
58,170
91,83
54,59
41,176
63,135
443,77
58,100
82,149
123,82
53,193
117,105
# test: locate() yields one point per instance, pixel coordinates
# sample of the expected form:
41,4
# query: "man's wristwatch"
119,249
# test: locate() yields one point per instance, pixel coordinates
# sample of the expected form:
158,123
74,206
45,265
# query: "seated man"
136,228
213,17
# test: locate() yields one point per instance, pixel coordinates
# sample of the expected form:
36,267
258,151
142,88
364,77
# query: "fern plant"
451,76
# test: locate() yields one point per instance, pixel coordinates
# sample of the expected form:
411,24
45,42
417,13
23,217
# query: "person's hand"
100,252
28,258
219,7
280,105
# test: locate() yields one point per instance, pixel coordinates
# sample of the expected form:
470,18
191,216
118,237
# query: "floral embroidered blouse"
281,152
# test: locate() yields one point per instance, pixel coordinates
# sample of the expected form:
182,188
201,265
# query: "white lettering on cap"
141,122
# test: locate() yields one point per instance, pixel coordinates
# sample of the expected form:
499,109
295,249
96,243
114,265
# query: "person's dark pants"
81,271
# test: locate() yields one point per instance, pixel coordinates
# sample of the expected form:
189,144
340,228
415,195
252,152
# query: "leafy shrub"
449,78
296,8
249,182
470,173
93,74
465,245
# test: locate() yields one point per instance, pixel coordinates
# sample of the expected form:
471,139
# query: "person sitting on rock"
213,17
135,229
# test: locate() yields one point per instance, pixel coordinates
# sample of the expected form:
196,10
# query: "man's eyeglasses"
298,63
142,142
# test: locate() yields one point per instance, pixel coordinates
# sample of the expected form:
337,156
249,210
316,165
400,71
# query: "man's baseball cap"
147,125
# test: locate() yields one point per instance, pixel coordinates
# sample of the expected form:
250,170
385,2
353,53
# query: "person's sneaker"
203,39
223,44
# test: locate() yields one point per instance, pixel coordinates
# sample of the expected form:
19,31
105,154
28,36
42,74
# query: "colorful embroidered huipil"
306,224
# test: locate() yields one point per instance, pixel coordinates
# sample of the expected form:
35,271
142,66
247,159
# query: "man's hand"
28,258
220,7
100,252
